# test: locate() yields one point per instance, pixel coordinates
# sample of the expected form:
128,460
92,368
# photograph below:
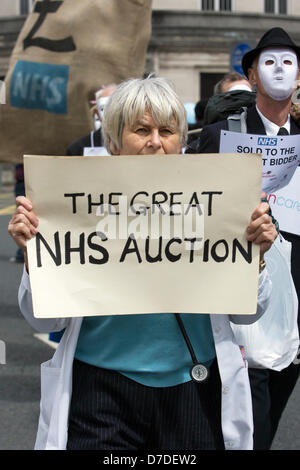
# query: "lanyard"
199,372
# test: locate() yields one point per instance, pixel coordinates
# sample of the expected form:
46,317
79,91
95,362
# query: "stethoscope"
198,372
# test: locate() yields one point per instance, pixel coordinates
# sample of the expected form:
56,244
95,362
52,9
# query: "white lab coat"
56,374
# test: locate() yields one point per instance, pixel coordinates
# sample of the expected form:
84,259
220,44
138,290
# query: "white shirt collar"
271,128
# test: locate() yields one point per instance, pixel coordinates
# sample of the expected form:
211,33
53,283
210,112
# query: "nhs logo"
36,85
269,141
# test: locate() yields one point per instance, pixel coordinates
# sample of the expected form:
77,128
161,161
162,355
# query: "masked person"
92,144
273,69
123,382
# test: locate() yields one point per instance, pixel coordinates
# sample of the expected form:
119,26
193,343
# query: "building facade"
15,7
285,7
193,43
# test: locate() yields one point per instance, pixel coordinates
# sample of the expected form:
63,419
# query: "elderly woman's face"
148,138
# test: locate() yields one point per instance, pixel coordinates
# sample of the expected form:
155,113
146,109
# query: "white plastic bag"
273,341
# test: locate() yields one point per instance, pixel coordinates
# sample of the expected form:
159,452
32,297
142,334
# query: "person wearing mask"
272,68
92,144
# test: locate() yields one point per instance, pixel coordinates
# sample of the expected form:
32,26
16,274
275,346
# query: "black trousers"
111,412
271,390
282,383
261,404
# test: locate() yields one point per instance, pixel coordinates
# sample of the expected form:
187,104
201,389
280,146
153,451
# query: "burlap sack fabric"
65,51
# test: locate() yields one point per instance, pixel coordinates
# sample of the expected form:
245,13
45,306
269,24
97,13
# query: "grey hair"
132,98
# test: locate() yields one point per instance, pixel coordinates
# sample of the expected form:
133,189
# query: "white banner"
280,155
143,234
285,205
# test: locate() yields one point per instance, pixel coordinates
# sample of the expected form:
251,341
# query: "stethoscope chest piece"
199,373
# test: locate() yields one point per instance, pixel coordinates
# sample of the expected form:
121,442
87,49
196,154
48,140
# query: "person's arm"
22,227
262,232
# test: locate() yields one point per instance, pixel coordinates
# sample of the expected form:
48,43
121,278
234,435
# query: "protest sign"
285,205
65,52
143,234
280,155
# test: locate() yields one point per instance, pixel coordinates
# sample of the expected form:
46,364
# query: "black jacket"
209,140
77,147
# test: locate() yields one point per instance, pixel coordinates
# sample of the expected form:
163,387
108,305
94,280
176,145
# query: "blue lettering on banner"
270,141
36,85
287,203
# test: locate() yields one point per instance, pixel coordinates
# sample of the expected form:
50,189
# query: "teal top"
149,349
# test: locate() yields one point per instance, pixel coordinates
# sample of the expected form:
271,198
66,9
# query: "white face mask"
101,102
278,70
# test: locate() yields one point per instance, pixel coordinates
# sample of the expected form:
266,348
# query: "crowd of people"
98,394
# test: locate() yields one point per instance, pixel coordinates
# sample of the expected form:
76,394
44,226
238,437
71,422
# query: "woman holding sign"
138,382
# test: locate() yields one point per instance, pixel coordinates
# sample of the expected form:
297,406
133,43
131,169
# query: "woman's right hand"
23,224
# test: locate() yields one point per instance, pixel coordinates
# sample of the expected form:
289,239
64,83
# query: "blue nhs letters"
42,86
270,141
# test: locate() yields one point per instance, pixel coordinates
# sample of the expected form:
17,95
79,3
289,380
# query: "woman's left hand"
261,229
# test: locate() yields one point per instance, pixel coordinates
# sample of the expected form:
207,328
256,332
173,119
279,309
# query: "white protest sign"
285,205
280,155
143,234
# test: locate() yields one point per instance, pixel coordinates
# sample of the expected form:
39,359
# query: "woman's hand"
23,224
261,229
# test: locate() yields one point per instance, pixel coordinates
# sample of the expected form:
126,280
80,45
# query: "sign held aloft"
143,234
280,155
